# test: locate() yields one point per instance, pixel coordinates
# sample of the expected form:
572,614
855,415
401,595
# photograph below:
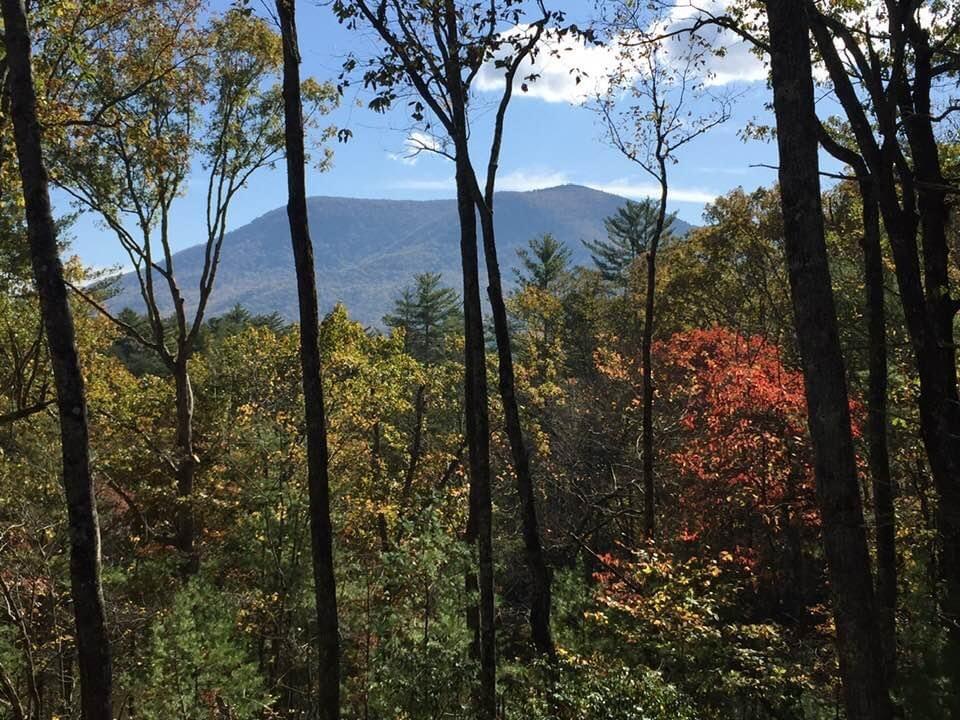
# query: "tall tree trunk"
879,455
943,400
480,530
93,646
924,288
416,442
536,562
939,408
865,690
646,359
321,531
476,410
186,473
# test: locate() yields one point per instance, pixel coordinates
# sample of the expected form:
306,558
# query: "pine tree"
545,262
427,311
629,233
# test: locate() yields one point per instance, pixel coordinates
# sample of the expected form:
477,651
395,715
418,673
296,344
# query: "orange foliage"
741,447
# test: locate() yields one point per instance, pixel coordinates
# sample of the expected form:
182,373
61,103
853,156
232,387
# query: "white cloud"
521,180
417,142
571,70
525,180
634,190
736,62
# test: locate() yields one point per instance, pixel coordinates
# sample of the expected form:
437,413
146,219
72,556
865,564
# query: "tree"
864,679
886,93
649,128
874,304
884,64
93,644
212,102
536,306
426,312
318,461
546,262
540,573
437,51
423,50
630,235
742,452
730,271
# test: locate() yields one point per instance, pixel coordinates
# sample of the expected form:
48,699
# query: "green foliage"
546,262
428,313
599,687
731,271
409,640
630,234
197,666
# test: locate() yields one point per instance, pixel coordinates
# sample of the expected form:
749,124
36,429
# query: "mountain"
367,250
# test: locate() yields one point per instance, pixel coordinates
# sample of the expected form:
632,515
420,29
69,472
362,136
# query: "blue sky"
549,141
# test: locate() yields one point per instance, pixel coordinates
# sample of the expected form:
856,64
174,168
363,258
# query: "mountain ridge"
367,250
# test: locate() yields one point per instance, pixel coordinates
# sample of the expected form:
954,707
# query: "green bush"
197,667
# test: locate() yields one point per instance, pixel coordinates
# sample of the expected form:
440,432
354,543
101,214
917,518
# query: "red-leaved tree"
738,457
741,446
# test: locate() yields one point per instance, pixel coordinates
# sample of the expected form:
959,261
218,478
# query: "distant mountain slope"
367,250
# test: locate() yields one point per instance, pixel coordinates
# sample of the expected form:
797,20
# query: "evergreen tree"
545,262
629,233
236,320
138,359
427,311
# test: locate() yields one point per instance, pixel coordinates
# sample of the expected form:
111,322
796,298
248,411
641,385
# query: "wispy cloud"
522,180
633,190
568,69
737,63
417,143
525,180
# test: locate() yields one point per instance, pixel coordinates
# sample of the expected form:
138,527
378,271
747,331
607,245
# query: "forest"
708,475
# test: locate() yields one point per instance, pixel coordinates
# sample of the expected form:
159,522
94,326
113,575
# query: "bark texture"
912,201
866,694
93,644
321,531
540,577
878,451
480,530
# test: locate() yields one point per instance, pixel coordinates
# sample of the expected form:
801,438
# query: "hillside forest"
709,474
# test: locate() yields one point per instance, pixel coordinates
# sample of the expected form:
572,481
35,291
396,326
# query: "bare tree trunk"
186,473
480,523
646,358
902,190
480,530
93,645
864,682
536,562
540,574
321,531
879,455
940,403
416,442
